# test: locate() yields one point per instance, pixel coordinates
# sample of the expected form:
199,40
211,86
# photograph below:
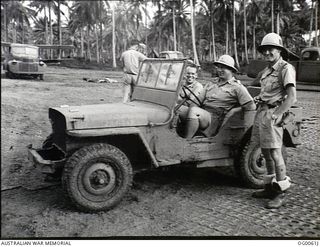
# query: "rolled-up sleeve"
243,95
288,75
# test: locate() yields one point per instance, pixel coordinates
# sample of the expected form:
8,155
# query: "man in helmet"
278,94
131,60
218,97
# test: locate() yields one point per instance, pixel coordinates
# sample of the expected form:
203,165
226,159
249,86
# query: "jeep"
96,149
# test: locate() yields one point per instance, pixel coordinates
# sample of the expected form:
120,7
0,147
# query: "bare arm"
250,106
288,102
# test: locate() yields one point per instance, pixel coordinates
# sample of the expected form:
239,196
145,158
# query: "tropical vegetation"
202,29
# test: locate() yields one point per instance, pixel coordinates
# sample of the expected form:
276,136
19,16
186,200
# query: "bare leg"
269,161
279,163
197,118
126,93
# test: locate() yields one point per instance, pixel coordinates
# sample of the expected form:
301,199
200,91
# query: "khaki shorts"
264,131
130,79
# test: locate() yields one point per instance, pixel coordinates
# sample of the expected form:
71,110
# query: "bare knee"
276,154
194,112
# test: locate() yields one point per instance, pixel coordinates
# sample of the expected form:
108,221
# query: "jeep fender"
123,132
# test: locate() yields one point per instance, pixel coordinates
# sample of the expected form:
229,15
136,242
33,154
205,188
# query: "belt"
270,106
129,73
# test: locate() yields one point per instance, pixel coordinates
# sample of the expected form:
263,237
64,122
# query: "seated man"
194,87
218,97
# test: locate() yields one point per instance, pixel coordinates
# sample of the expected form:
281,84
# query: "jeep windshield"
158,81
25,51
160,74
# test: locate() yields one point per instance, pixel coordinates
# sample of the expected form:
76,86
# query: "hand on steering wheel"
187,96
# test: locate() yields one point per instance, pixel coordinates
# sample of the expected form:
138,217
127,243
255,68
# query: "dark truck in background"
307,67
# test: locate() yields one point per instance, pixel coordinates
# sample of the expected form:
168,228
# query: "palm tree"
4,17
17,15
224,14
234,34
195,55
41,7
84,18
208,7
245,31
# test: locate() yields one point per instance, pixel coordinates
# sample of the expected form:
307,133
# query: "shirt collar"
276,66
221,83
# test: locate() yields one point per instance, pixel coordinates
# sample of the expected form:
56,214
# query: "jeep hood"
109,115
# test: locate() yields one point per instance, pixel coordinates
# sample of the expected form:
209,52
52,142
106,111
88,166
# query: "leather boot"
277,201
279,187
267,192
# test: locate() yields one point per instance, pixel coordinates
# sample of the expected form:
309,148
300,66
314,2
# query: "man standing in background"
131,60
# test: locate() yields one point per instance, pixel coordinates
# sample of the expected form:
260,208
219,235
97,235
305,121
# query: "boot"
267,192
277,201
280,187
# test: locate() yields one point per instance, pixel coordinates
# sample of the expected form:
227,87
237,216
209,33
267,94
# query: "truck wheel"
96,177
41,77
252,165
10,75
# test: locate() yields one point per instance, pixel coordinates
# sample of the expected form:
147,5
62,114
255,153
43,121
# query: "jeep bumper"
47,160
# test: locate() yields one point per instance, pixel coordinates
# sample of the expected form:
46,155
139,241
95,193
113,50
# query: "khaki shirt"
225,95
131,61
274,80
196,88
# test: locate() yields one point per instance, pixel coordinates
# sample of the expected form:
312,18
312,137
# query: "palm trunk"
213,39
159,29
196,60
174,28
227,37
272,18
5,22
234,35
14,32
97,43
254,39
50,26
278,22
22,31
100,27
82,42
114,63
316,24
88,43
311,24
245,32
59,31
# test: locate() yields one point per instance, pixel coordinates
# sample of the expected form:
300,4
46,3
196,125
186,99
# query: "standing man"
278,94
131,60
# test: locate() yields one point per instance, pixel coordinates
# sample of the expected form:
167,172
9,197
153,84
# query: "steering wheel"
187,97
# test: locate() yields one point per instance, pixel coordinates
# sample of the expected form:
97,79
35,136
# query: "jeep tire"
97,177
252,167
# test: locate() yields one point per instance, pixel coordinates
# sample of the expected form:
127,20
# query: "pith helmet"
272,39
228,61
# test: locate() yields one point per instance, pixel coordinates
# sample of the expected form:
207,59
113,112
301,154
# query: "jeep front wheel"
252,166
96,177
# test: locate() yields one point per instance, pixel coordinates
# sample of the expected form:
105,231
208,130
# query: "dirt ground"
175,202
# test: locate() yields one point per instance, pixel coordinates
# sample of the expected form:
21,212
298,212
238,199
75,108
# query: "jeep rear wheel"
252,167
96,177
